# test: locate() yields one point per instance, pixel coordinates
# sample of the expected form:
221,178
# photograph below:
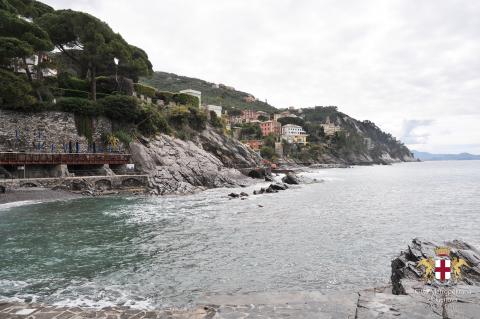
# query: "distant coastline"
425,156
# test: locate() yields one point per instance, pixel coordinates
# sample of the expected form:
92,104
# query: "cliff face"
178,167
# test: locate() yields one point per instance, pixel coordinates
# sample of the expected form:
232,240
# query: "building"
271,127
294,134
249,116
213,108
255,145
197,94
329,128
32,63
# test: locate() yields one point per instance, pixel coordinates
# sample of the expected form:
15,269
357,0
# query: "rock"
291,179
268,178
404,266
233,195
243,194
279,187
270,190
88,193
255,174
182,167
410,296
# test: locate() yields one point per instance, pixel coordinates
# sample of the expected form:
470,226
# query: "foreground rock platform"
32,311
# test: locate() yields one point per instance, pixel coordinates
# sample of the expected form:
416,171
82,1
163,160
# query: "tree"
20,39
91,44
267,152
14,91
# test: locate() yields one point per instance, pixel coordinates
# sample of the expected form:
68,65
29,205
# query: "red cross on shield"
442,269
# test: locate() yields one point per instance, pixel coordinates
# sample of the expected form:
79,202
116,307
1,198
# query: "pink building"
271,127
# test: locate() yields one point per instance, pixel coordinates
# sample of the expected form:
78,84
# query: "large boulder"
291,179
279,187
404,267
410,296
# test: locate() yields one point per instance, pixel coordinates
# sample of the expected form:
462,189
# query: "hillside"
356,142
212,93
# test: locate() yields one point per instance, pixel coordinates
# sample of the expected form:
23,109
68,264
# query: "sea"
338,234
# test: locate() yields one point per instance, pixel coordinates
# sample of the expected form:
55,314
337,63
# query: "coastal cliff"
209,160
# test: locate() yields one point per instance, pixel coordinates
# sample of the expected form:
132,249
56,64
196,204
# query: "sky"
412,67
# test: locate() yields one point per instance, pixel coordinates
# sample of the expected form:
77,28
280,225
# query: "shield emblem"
443,269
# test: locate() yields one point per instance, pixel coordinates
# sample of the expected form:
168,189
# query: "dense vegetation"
228,98
96,71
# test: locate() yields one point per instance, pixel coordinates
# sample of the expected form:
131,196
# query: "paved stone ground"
372,303
32,311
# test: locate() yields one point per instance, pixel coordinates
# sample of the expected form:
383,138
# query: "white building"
294,134
197,94
215,108
32,63
291,129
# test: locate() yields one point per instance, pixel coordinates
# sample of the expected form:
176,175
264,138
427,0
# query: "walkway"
68,158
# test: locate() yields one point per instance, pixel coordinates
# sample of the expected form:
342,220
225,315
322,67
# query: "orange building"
271,127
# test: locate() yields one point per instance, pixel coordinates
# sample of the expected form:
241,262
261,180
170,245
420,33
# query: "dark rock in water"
270,190
291,179
2,190
268,178
243,194
261,191
279,187
233,195
88,193
28,299
255,174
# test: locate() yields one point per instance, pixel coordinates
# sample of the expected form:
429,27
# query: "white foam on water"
19,203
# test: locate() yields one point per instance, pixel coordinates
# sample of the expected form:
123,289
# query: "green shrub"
151,121
215,120
144,89
197,119
78,106
67,81
120,107
267,152
166,97
182,116
15,91
124,137
84,125
60,92
106,85
186,99
178,115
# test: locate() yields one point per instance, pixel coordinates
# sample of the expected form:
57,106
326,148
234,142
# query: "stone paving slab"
284,305
32,311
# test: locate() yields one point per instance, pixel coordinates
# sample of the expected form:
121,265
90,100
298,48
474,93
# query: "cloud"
411,134
386,61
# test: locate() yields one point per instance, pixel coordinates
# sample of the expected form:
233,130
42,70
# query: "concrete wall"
21,131
80,183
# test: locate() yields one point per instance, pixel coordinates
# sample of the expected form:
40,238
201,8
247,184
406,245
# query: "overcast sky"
412,67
